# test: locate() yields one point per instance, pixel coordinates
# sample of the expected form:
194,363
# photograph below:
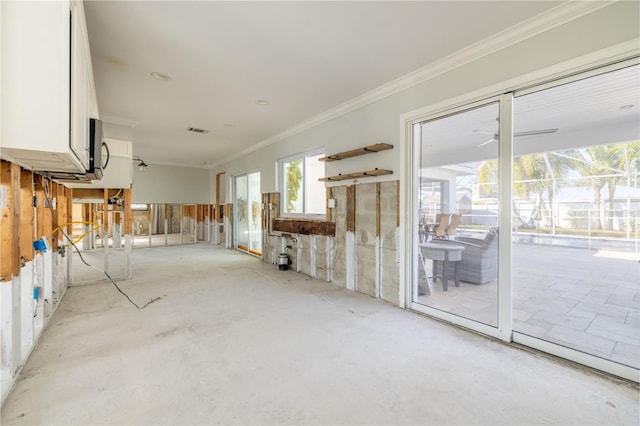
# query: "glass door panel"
457,214
255,219
241,209
248,213
576,210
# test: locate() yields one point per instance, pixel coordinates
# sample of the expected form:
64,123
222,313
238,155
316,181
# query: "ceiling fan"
496,137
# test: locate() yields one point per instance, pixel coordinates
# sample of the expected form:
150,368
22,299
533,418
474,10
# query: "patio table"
445,253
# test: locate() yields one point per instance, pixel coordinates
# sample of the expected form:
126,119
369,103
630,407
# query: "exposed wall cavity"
361,256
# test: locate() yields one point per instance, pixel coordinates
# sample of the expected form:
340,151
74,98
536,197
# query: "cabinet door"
81,85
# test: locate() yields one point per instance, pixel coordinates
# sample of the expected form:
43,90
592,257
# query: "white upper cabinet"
48,93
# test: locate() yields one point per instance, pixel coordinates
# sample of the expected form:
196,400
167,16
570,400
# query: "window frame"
282,186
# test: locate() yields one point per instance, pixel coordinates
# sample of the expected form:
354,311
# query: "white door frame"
620,56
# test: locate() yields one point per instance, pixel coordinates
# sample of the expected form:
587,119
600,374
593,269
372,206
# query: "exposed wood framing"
329,211
377,209
47,213
27,216
41,209
128,214
68,193
62,216
218,195
105,212
266,216
351,208
304,227
10,222
93,193
398,203
53,208
86,212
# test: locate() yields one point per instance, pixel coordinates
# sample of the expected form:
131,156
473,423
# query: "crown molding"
531,27
170,164
112,119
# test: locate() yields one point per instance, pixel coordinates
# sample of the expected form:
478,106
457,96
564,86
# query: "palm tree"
592,173
623,157
533,175
606,165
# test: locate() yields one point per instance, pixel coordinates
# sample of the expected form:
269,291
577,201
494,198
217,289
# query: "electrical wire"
73,244
106,163
109,277
82,237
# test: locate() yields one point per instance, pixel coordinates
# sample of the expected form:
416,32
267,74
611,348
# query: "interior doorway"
248,213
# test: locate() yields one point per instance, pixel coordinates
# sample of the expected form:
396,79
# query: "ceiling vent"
196,130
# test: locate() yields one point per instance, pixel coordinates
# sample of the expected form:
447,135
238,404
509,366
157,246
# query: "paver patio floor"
588,300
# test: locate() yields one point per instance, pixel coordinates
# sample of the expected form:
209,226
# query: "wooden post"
68,193
128,214
377,209
10,221
47,214
105,213
398,203
27,216
220,211
63,225
53,210
351,208
40,208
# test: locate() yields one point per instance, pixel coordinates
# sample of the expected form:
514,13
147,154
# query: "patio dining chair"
441,228
453,225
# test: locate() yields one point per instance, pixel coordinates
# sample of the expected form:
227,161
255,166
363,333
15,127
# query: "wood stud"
10,222
128,214
27,216
351,208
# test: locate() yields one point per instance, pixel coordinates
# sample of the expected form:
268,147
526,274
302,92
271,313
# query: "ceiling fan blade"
516,134
488,132
487,142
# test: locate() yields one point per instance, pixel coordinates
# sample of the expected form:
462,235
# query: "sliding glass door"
526,213
576,205
248,213
458,214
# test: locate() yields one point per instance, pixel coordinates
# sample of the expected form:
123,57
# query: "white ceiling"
303,57
603,109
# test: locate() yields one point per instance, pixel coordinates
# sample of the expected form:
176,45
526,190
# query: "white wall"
171,184
22,317
380,121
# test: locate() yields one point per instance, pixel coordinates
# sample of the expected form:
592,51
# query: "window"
302,194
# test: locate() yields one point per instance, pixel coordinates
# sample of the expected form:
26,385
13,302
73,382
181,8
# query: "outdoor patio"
588,300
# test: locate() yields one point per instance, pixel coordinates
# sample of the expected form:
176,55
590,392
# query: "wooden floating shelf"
346,176
356,152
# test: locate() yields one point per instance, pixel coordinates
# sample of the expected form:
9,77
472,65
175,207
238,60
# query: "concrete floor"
235,341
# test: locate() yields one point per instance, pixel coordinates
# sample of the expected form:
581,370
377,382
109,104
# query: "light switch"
331,203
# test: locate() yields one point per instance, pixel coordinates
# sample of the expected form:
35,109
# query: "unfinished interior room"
320,212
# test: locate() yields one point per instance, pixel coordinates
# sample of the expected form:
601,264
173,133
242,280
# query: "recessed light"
629,106
160,76
262,102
